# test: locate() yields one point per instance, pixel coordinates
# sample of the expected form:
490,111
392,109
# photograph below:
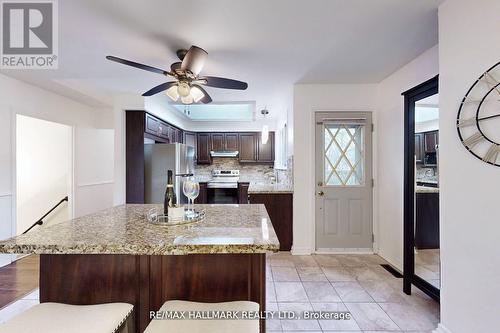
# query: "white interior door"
344,208
94,170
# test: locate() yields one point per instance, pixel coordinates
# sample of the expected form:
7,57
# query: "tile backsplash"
254,173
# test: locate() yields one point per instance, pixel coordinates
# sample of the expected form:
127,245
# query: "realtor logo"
29,35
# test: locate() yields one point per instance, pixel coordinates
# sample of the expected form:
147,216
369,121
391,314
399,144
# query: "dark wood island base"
148,281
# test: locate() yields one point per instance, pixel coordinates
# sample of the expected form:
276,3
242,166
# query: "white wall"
470,219
309,98
17,97
390,151
43,171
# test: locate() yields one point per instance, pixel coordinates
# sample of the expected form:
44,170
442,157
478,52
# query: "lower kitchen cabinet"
243,193
427,221
203,195
280,209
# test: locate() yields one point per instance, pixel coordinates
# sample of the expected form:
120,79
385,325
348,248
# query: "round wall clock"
478,119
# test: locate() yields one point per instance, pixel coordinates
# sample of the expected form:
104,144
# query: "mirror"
421,261
426,190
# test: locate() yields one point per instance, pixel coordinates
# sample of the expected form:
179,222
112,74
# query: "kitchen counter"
270,188
125,230
426,189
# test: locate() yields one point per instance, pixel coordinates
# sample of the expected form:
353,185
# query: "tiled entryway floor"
354,283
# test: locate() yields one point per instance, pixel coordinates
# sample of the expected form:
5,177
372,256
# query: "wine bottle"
170,198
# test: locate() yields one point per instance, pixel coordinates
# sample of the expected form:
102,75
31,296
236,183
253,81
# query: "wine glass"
187,189
195,192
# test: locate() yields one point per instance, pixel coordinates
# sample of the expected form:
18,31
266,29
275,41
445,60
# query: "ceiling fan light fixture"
197,94
183,89
172,93
187,99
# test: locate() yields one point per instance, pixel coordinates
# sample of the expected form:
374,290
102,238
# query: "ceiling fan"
188,82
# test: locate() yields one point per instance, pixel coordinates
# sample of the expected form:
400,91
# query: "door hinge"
373,127
373,182
373,238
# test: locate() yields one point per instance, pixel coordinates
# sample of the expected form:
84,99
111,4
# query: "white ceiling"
271,44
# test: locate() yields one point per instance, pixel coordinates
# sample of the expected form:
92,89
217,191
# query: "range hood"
224,153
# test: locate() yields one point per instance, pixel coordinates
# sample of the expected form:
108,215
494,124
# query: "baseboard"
344,251
441,329
301,251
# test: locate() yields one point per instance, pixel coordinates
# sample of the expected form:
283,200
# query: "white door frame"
313,179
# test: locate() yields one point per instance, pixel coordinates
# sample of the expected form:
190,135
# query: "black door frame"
423,90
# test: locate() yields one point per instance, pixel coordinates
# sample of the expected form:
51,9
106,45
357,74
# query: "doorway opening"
44,172
344,193
421,266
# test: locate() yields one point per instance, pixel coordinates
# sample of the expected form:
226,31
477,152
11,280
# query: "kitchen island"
116,255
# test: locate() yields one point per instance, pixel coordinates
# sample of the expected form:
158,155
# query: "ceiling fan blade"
159,88
220,82
206,99
138,65
194,60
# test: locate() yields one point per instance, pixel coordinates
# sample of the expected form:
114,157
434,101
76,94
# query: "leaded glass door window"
344,154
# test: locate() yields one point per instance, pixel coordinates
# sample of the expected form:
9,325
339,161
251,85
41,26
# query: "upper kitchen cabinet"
419,148
252,150
248,147
265,152
204,146
218,141
231,141
431,140
224,141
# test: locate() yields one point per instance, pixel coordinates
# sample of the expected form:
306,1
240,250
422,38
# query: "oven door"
217,195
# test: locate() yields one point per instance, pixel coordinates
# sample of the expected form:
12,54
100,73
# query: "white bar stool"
205,326
63,318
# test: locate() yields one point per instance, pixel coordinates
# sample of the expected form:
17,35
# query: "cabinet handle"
321,193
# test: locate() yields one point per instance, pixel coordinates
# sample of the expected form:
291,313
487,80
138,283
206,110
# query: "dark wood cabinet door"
217,141
231,141
243,193
430,141
265,152
157,127
427,221
203,148
202,196
248,147
419,148
279,206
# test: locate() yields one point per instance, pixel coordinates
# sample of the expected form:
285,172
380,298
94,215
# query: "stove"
223,188
224,179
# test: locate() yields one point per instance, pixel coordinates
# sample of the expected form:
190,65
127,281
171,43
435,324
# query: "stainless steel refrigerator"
159,158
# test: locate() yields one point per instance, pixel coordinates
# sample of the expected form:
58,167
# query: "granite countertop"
426,189
125,230
270,188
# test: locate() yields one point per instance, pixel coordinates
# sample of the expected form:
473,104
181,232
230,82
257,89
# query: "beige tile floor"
354,283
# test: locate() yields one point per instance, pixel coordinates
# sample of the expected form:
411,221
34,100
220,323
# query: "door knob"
321,193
